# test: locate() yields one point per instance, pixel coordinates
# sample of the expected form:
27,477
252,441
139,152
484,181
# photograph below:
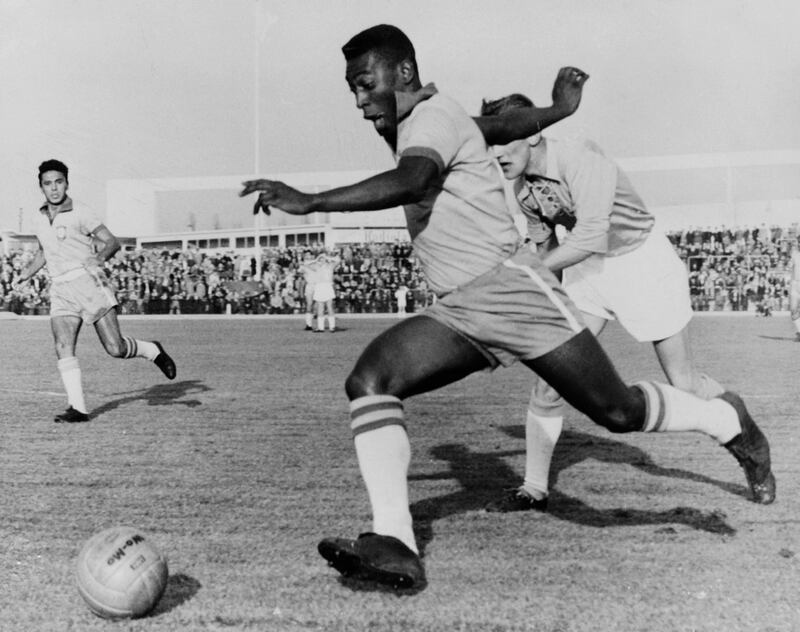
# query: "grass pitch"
238,467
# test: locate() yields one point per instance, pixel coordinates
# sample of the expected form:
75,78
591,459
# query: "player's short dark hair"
384,40
504,104
53,165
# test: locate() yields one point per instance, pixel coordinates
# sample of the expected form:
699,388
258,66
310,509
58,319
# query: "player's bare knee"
545,401
361,383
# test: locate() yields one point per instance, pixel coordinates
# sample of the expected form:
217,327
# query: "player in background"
616,265
497,302
80,292
794,287
324,292
310,271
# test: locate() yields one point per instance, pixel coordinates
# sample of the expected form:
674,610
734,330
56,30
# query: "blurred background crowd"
730,269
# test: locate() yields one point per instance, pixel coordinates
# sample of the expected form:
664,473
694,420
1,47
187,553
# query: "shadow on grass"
180,589
360,585
483,476
159,395
786,338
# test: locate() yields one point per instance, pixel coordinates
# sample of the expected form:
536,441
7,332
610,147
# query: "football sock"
309,320
796,322
673,410
140,349
332,322
384,453
541,435
320,323
71,377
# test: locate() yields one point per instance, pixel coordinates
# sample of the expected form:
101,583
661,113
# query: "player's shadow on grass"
159,395
180,589
483,476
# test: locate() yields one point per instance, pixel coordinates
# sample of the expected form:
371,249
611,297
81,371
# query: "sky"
190,88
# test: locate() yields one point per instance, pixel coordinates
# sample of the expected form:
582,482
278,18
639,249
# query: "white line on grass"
29,392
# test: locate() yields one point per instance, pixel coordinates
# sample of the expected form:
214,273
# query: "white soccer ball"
120,573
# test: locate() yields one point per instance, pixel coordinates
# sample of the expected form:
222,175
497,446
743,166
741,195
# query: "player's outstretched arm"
524,122
405,184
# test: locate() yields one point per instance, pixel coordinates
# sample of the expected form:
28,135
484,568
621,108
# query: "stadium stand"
730,269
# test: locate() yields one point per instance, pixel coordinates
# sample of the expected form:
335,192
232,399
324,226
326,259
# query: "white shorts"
646,290
86,294
324,292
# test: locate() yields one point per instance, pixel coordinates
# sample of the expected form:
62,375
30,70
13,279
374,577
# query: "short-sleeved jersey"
588,194
310,272
462,227
67,240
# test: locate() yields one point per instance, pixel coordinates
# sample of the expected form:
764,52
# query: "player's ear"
407,71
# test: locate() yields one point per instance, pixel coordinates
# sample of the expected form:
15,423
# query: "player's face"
54,186
373,82
513,158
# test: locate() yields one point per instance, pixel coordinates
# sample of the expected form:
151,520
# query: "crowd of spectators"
194,282
739,269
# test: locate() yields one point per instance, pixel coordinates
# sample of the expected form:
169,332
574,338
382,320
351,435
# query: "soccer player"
324,292
498,303
794,287
80,292
310,271
616,266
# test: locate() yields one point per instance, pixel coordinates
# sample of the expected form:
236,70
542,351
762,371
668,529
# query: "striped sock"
139,349
384,453
71,377
672,410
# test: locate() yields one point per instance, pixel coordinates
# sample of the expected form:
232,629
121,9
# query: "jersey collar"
407,101
64,207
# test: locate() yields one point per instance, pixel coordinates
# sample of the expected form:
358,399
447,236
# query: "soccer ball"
120,573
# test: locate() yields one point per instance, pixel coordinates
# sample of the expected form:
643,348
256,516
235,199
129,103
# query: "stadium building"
698,190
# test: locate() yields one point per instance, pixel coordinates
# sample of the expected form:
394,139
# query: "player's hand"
93,263
277,194
568,88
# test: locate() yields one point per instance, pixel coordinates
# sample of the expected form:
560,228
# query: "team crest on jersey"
61,233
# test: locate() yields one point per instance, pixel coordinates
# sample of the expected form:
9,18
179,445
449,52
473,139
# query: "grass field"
238,467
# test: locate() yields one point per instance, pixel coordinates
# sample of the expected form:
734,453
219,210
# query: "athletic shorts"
86,294
324,292
516,311
646,290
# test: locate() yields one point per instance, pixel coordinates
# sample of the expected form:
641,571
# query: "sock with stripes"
71,377
384,453
672,410
140,349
